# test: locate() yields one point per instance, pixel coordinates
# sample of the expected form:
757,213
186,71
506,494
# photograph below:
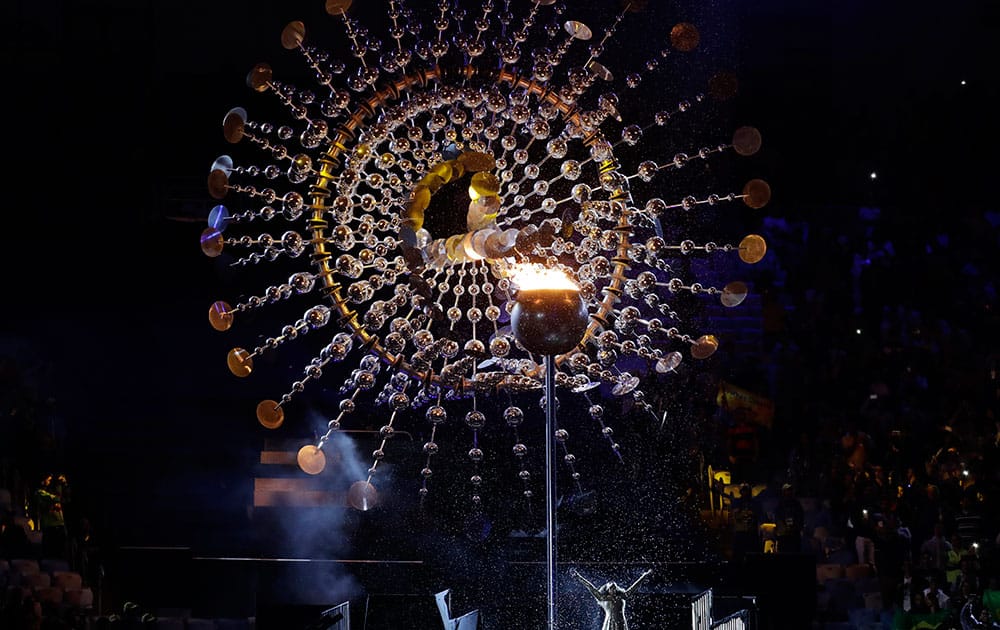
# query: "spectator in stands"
864,537
918,603
50,497
891,552
991,597
745,522
802,466
934,550
966,594
906,588
954,559
931,513
969,522
855,444
935,595
789,517
967,576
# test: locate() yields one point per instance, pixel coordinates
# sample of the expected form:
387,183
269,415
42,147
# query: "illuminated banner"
759,409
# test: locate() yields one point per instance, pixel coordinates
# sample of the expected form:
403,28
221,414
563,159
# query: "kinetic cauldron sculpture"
363,191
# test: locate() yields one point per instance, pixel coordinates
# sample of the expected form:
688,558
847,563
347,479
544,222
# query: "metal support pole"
550,487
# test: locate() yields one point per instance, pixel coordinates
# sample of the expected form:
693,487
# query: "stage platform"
778,590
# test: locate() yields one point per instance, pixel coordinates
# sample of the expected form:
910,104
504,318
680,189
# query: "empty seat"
822,602
82,598
860,617
857,571
828,571
35,580
25,566
843,597
182,613
868,585
53,565
67,580
51,595
16,594
873,601
169,623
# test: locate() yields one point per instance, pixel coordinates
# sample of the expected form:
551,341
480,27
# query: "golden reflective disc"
704,347
444,171
240,362
269,414
752,248
232,125
220,315
723,86
362,150
733,294
432,182
634,6
414,220
684,37
484,185
746,140
362,496
453,247
599,71
578,30
293,35
218,184
756,193
211,242
311,460
259,77
336,7
474,161
420,198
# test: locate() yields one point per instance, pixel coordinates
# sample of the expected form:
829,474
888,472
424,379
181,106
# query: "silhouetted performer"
611,599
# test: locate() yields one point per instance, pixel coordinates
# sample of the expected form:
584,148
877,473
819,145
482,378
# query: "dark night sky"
114,112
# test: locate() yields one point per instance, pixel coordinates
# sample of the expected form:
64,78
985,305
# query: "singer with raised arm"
611,598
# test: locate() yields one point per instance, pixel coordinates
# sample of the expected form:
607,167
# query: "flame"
533,277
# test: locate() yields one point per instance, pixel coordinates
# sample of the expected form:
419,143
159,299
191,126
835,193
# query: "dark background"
114,114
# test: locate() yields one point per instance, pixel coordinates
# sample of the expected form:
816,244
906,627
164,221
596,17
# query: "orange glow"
533,277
